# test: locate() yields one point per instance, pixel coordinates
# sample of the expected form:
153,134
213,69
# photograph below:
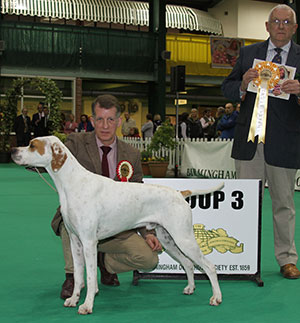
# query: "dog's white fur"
106,207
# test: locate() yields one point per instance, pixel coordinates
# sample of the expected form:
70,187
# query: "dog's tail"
188,193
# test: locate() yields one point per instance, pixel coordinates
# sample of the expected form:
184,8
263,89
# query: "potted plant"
145,158
161,144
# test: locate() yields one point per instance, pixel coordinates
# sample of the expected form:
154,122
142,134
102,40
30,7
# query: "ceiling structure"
203,4
197,92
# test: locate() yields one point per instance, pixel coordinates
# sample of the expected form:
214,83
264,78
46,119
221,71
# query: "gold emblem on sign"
216,239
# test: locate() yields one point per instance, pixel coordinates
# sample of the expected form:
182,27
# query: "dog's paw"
71,302
215,300
189,290
84,309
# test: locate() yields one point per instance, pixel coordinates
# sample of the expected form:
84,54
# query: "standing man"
127,124
22,128
207,122
100,152
194,125
227,123
37,124
277,157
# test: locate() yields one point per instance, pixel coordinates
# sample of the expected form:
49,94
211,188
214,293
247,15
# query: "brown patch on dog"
58,157
186,193
37,145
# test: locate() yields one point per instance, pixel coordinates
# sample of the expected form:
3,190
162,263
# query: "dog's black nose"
14,150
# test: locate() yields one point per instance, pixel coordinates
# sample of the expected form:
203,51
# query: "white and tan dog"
102,215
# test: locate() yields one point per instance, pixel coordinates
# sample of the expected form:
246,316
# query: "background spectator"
228,122
194,125
127,124
85,125
134,133
147,128
156,122
219,114
71,125
22,128
207,122
183,129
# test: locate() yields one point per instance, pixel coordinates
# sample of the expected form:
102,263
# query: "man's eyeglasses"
278,22
110,121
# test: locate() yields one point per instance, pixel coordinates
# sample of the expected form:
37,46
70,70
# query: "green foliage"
8,111
145,155
163,138
60,135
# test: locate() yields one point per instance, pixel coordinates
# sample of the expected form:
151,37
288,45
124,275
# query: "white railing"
142,144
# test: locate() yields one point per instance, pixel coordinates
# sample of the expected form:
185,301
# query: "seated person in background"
85,125
127,250
71,125
134,133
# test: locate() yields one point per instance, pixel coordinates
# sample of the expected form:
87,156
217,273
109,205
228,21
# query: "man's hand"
291,87
153,242
250,75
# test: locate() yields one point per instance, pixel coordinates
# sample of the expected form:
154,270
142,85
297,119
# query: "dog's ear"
59,157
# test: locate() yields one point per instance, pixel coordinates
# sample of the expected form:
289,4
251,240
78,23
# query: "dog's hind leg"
78,261
191,249
90,256
171,249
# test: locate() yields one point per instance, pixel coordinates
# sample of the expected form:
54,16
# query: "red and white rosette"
124,170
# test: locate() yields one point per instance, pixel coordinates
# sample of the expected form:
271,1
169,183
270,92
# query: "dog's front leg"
78,261
90,256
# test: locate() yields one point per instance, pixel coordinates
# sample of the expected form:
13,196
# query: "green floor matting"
31,273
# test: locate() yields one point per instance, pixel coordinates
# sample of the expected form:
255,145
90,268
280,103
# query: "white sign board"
226,224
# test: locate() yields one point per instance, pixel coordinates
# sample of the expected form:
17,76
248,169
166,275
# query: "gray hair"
106,101
284,7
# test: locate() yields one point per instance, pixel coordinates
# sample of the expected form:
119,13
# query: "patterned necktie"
277,57
105,168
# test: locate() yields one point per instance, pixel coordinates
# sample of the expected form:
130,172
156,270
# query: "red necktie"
105,168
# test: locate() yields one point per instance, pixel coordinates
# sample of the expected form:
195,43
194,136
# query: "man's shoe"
67,287
290,271
106,277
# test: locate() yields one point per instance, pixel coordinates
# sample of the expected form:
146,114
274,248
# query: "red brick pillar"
78,99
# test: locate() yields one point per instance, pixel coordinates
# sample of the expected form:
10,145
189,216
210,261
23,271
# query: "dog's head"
41,152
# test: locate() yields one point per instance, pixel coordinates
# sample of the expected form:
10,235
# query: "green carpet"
32,272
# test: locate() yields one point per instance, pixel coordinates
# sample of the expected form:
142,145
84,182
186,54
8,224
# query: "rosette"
268,77
124,170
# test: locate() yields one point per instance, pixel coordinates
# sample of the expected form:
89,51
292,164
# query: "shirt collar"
100,144
285,48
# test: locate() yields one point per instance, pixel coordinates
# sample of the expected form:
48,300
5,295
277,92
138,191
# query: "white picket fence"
142,145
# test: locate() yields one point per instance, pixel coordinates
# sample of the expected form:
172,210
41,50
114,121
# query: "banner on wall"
225,51
208,159
217,162
226,225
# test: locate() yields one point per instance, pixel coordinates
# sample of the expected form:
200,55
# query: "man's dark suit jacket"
19,128
282,143
83,146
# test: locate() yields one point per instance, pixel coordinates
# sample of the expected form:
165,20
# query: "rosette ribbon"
267,79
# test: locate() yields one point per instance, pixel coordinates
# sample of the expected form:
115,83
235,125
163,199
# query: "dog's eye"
31,146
